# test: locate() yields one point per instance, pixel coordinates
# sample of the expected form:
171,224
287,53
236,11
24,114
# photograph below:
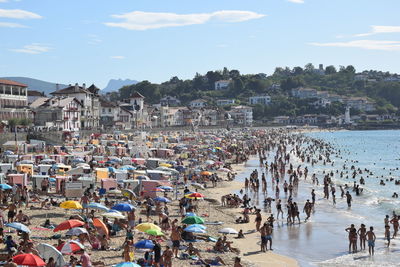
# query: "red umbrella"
70,247
28,260
195,195
68,225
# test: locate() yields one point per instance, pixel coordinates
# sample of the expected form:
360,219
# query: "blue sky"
92,41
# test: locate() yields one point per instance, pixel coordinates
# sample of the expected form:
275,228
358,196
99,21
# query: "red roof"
9,82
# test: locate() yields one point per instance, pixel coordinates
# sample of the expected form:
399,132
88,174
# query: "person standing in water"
362,234
371,241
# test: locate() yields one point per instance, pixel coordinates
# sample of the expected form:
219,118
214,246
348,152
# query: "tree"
234,74
309,68
297,71
330,69
292,82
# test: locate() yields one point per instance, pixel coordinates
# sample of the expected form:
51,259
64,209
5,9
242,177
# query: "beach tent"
101,173
47,251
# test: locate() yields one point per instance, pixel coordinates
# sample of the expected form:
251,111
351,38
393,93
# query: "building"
225,102
282,120
260,100
302,92
33,95
198,103
360,103
89,99
136,105
62,113
242,115
222,84
13,100
170,101
114,116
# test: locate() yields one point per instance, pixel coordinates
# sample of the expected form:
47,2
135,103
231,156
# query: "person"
240,234
237,262
127,250
11,212
176,238
387,234
258,219
157,253
191,250
263,232
362,234
371,240
395,222
167,257
22,218
352,238
11,246
216,261
51,262
348,199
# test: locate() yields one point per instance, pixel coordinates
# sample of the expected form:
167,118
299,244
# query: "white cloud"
34,49
94,39
365,44
380,29
18,14
117,57
297,1
139,20
11,25
3,1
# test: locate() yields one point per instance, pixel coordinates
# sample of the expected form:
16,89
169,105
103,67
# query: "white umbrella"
47,251
197,185
71,247
114,191
76,231
223,170
228,231
114,215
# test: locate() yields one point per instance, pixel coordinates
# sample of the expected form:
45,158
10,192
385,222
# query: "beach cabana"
19,179
25,168
101,173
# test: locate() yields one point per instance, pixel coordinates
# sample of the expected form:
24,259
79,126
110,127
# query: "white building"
260,100
170,101
198,103
225,102
89,99
242,115
360,103
222,84
304,92
13,100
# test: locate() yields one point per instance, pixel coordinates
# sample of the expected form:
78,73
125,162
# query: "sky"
93,41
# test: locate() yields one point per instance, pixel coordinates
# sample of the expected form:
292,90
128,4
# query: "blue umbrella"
128,168
194,229
127,264
162,199
145,244
5,187
190,214
167,188
98,206
19,227
199,226
111,169
123,207
78,160
180,168
53,180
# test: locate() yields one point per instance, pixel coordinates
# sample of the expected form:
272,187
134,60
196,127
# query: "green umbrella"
193,220
154,232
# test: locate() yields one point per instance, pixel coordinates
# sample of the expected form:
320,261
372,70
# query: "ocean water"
322,241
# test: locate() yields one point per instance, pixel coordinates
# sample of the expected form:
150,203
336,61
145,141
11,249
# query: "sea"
323,241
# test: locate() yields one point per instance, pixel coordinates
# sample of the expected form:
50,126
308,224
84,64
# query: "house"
261,100
225,102
211,117
33,95
361,77
170,101
301,92
282,120
222,84
322,102
89,99
360,103
242,115
108,113
13,100
335,98
136,105
63,113
198,103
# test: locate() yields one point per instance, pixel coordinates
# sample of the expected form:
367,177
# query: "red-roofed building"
13,100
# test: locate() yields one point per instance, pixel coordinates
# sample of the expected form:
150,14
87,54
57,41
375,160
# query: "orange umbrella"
68,225
206,173
100,224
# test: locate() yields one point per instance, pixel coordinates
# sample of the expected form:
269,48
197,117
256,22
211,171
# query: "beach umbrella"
69,224
128,193
162,199
154,232
193,220
194,229
111,169
180,168
114,191
188,214
5,187
166,188
157,190
206,173
201,226
113,215
166,169
228,231
8,152
194,195
100,224
71,246
223,170
146,226
197,186
18,226
28,260
144,244
124,207
76,231
142,177
209,162
127,264
78,160
71,204
165,165
128,168
47,251
97,206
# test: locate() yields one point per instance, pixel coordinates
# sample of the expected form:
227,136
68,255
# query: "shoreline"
249,246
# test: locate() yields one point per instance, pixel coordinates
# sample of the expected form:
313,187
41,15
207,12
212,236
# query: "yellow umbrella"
165,165
143,227
71,204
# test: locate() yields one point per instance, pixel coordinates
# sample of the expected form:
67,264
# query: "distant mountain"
37,85
114,85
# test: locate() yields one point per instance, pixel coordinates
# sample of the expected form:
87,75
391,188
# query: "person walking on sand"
176,238
167,257
371,240
263,232
258,219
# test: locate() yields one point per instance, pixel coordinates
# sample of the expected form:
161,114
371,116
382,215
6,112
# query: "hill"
114,85
37,85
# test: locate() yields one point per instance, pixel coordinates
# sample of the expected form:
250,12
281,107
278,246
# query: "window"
104,110
82,113
109,110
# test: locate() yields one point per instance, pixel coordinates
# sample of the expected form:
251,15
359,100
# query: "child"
387,234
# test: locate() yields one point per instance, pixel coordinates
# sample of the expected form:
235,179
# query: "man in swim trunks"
371,240
176,238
